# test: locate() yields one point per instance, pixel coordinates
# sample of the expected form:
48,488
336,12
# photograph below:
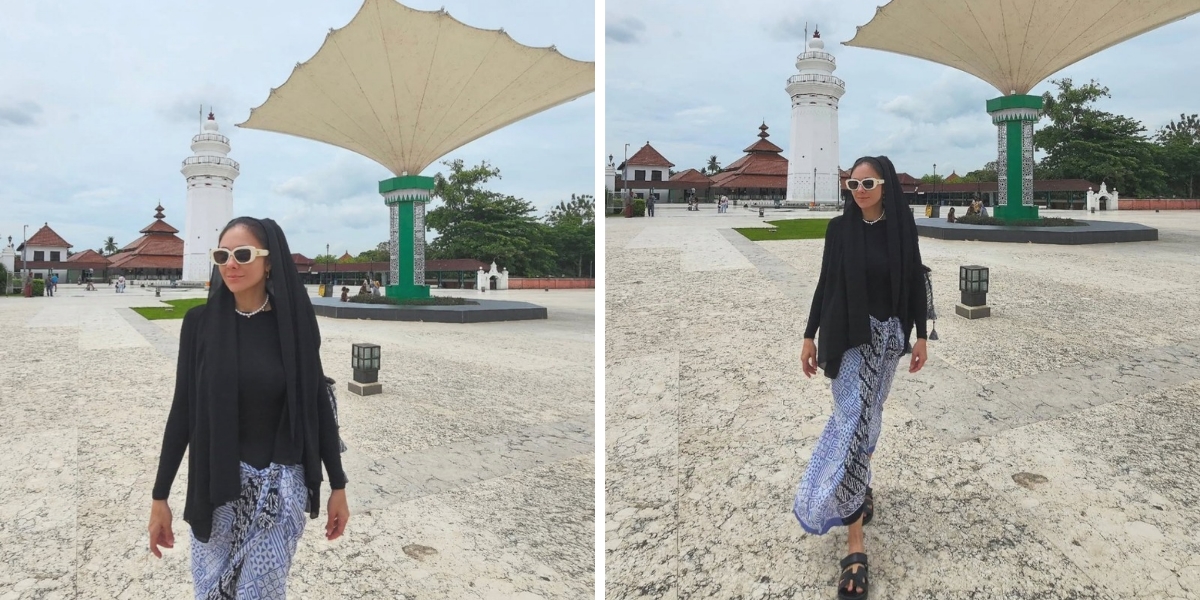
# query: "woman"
251,404
869,297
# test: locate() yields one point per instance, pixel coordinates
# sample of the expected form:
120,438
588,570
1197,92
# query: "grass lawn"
791,229
176,311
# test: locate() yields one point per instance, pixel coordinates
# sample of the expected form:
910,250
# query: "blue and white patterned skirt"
834,485
253,538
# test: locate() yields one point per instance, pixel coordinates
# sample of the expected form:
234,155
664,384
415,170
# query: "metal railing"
211,160
210,137
817,79
816,54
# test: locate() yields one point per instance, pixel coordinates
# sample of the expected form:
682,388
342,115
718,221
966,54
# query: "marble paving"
471,476
1045,452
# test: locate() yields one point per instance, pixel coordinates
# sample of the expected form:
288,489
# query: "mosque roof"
647,156
45,237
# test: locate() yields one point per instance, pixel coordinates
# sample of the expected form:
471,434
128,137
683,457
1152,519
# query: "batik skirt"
253,538
834,486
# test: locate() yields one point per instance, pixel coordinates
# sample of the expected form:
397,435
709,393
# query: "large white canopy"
404,87
1013,44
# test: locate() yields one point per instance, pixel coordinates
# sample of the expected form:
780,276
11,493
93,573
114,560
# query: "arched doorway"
493,281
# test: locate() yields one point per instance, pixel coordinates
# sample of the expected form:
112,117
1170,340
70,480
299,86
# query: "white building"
210,174
44,254
813,173
642,170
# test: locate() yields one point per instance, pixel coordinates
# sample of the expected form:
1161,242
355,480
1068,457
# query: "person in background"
345,294
950,216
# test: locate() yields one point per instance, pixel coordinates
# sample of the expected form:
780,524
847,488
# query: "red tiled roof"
763,145
159,226
141,261
1039,185
346,257
663,185
691,176
89,257
301,259
47,238
953,178
648,157
753,181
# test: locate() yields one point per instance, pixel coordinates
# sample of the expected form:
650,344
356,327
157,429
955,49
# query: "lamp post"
973,284
364,360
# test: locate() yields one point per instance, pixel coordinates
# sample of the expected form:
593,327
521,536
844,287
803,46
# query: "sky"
698,82
99,102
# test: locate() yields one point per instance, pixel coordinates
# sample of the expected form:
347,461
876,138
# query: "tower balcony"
816,55
807,78
211,160
210,137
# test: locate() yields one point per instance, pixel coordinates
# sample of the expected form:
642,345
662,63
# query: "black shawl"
206,391
840,303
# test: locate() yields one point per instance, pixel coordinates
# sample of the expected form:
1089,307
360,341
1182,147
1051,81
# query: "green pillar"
1014,117
406,197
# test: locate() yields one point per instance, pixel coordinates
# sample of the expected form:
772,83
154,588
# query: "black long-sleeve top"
878,278
262,432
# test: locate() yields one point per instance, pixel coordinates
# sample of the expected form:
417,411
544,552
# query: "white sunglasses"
868,183
244,255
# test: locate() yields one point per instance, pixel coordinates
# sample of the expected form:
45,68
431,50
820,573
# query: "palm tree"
110,245
713,165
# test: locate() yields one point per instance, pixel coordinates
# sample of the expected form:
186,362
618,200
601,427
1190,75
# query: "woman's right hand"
160,527
808,357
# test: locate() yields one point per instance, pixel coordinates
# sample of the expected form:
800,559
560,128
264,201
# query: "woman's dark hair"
874,163
254,225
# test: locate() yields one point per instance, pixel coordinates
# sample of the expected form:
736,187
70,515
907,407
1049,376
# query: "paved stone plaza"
472,476
1046,452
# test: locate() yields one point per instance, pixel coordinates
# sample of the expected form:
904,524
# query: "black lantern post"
364,359
973,284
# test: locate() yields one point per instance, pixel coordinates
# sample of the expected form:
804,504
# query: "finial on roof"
762,131
211,117
158,212
817,32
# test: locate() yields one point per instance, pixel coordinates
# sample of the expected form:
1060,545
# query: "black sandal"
857,577
868,507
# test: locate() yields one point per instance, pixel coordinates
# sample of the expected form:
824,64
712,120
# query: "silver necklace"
878,219
251,314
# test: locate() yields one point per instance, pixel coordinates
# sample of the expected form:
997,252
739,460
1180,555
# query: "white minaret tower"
813,162
210,174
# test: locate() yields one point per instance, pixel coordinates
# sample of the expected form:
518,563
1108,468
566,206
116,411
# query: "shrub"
4,280
639,208
39,287
1042,222
433,301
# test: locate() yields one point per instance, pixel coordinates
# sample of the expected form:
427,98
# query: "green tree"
1180,144
572,235
1083,142
932,179
110,246
987,173
713,165
379,253
473,222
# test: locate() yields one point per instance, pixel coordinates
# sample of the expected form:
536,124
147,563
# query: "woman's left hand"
919,357
339,514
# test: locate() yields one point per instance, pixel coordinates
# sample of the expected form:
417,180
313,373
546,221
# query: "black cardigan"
188,425
839,310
